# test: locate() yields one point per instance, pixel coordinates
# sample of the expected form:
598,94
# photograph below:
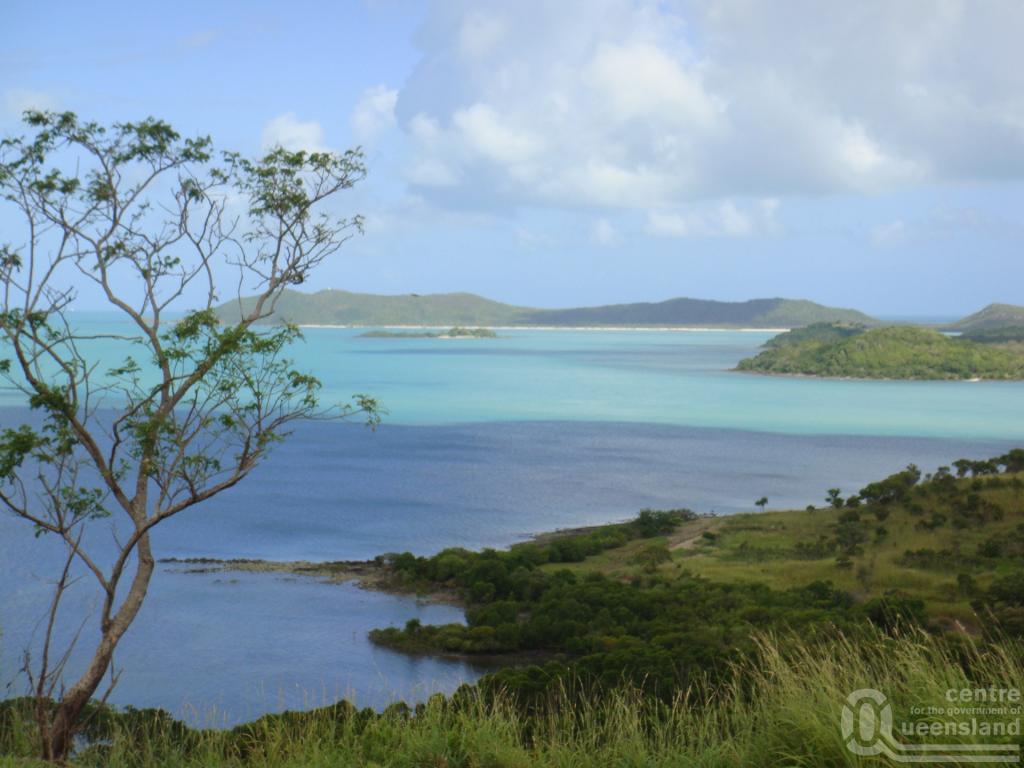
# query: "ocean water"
486,442
647,377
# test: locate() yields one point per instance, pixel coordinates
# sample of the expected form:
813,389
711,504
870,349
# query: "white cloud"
486,132
479,33
640,81
431,172
374,113
425,129
608,185
428,168
657,104
726,219
293,134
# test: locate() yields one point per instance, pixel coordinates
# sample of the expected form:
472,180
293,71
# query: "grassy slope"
789,313
781,709
761,548
662,605
333,307
992,316
895,352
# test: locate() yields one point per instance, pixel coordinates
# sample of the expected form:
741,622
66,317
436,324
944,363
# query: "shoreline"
372,575
912,379
376,574
676,328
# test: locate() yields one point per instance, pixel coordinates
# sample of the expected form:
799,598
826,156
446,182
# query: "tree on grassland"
651,556
152,221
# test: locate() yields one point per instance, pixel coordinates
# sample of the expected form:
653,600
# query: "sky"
578,152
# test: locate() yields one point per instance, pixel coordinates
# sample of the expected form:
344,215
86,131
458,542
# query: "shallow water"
648,377
486,442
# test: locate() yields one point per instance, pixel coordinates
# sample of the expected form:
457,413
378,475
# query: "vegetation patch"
894,352
458,332
617,602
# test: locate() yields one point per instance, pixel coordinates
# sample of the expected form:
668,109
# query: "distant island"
991,317
342,308
893,352
458,332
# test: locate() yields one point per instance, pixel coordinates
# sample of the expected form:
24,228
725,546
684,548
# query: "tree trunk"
58,736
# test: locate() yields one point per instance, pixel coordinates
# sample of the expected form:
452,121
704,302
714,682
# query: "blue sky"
592,151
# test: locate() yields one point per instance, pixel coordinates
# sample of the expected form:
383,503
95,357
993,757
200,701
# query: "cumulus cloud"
640,81
293,134
486,134
726,219
655,104
374,113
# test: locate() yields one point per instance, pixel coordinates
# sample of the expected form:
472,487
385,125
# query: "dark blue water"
227,647
342,492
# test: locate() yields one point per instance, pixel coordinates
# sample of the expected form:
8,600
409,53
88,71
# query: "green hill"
756,313
992,316
331,307
820,333
893,352
1007,334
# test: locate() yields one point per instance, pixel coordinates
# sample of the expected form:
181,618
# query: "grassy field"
784,708
764,548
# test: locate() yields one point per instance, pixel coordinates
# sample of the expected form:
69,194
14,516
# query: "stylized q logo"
866,720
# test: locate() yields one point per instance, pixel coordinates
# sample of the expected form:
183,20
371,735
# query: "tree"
1013,461
762,502
651,556
152,221
834,499
894,489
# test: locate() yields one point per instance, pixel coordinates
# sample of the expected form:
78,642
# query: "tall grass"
782,708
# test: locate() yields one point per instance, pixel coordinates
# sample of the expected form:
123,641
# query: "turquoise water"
486,442
679,378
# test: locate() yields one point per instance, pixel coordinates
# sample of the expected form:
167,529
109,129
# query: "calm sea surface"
486,442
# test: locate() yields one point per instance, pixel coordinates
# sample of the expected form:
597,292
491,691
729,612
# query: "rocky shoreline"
337,571
373,574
